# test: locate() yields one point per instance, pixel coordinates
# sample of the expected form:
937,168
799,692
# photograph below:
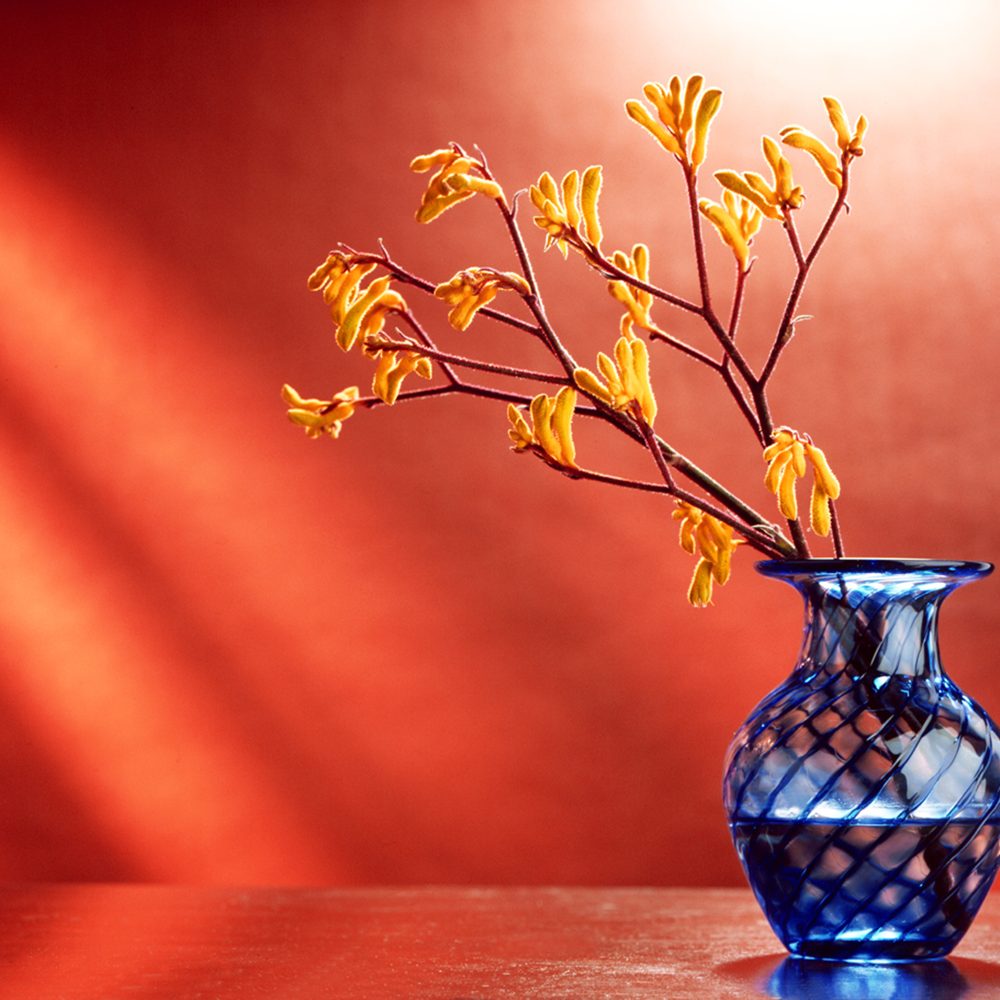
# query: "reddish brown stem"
762,543
463,362
425,339
611,270
654,449
838,541
786,327
408,278
691,181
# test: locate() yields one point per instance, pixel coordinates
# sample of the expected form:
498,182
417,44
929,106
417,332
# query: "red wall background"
234,655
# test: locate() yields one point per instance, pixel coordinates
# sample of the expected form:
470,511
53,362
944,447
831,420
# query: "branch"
533,299
724,369
519,399
385,344
691,181
650,439
838,541
655,333
610,270
370,402
425,339
715,489
786,329
754,535
401,274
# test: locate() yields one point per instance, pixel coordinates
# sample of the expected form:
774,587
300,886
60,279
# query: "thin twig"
724,368
425,339
754,534
838,541
519,399
655,333
654,449
385,344
533,300
408,278
610,270
370,402
793,239
786,328
691,181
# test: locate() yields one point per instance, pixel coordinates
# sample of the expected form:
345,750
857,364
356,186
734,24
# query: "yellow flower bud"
788,460
453,181
550,428
320,416
713,541
568,213
677,116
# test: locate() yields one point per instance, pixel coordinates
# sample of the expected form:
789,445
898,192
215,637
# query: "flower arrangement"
713,520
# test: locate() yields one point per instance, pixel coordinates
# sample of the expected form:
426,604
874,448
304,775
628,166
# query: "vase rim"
891,567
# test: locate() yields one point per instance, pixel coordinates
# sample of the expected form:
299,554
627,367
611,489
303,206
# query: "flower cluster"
391,367
773,200
637,301
550,428
677,114
453,181
469,290
320,416
713,542
626,378
788,458
359,316
713,520
848,142
736,221
358,313
563,208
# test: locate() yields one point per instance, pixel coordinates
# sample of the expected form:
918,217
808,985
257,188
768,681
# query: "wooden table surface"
102,942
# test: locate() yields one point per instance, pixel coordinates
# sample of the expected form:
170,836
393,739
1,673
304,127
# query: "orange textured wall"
231,654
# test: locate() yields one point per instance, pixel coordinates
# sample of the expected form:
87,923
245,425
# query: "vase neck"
873,618
871,633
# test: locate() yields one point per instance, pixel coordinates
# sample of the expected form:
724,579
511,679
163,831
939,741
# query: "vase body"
863,794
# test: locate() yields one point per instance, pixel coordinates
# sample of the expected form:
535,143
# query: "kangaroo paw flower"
624,381
550,430
469,290
788,460
713,542
677,114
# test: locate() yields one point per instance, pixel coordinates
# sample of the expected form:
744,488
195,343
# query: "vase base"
867,952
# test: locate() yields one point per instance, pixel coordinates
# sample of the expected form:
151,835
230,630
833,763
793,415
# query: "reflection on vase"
864,793
803,979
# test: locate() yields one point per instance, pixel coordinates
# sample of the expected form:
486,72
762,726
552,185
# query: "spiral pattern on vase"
863,793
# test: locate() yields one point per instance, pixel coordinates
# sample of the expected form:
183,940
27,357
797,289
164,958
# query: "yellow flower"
471,289
626,379
452,181
320,416
636,301
677,115
550,429
788,459
713,542
736,221
848,142
392,366
563,208
356,312
773,200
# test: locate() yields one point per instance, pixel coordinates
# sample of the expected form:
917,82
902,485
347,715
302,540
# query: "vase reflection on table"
863,793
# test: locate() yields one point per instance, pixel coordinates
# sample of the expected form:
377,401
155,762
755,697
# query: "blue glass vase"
863,794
